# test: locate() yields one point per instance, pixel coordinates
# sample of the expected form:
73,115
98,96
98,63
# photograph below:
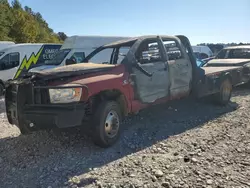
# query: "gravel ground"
180,144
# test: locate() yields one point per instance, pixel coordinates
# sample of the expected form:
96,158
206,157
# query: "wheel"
223,97
1,89
106,124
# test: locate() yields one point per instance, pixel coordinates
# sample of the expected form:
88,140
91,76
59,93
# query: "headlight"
65,95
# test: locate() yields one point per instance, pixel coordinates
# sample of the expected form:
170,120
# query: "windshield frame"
114,46
50,62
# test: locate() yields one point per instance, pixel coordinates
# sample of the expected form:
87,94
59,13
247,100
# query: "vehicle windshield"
59,57
240,53
113,54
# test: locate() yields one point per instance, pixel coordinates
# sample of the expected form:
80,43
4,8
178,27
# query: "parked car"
233,56
134,76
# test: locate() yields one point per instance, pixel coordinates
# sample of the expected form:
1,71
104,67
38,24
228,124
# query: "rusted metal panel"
75,67
152,88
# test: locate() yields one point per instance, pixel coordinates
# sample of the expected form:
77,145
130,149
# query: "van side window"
173,50
79,56
148,52
9,61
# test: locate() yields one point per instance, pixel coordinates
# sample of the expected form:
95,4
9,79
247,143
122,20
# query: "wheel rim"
226,91
112,124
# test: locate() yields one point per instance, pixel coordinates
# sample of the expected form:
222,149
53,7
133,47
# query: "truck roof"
139,37
237,47
90,41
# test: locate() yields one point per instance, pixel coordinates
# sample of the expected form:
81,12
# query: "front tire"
107,124
224,96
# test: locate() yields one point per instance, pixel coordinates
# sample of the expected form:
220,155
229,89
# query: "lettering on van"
27,62
46,52
49,53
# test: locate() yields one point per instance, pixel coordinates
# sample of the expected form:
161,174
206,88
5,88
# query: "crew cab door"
151,72
180,67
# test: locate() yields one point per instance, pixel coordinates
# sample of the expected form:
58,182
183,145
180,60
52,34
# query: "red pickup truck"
139,72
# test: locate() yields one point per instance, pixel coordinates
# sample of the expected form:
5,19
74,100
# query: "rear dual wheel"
224,96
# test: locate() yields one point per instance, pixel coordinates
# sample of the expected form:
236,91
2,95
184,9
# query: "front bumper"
30,110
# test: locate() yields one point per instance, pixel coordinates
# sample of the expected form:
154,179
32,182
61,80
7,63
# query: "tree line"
22,25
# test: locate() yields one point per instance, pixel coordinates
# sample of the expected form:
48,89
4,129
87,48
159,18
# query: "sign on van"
49,53
46,52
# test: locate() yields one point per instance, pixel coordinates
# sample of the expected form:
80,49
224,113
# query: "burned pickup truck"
139,72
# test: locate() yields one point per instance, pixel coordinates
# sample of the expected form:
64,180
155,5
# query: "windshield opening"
110,54
59,57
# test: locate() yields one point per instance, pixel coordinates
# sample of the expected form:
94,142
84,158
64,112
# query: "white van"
5,44
17,59
202,52
77,47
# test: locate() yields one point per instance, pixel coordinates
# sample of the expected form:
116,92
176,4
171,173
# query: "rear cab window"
149,52
173,49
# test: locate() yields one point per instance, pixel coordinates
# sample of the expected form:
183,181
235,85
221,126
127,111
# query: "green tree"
16,4
6,20
25,28
24,25
4,2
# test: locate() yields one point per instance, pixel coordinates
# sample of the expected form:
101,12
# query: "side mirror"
70,62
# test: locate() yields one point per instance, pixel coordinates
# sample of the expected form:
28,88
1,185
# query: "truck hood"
212,70
227,62
42,68
71,70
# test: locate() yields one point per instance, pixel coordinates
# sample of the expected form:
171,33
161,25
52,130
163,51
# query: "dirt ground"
181,144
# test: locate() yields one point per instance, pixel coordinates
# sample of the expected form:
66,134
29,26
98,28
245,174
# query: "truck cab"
138,72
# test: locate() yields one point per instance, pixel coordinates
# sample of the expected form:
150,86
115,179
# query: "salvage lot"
180,144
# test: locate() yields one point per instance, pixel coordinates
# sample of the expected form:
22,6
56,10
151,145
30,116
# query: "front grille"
41,96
